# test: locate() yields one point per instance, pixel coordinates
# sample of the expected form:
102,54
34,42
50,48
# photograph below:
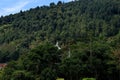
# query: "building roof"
2,65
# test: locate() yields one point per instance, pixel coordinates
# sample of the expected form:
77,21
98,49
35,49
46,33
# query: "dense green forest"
88,32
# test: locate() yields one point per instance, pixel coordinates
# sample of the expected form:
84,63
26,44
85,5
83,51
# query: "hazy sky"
13,6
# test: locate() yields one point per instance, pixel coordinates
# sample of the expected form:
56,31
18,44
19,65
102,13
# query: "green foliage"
88,32
89,79
44,63
48,74
39,62
60,79
65,22
22,75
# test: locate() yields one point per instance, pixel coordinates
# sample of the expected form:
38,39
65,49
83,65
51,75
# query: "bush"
88,79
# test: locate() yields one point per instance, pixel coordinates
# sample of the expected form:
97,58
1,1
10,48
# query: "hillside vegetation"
88,32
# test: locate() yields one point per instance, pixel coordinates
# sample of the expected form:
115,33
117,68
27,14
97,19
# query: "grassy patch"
88,79
60,79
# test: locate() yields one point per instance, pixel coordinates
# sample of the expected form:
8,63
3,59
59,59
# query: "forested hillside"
88,32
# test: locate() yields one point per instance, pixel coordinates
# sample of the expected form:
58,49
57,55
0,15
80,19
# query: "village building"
2,65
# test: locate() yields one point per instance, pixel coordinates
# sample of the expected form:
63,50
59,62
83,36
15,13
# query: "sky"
14,6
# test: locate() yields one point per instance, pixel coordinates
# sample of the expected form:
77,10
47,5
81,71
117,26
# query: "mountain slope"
88,32
65,22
